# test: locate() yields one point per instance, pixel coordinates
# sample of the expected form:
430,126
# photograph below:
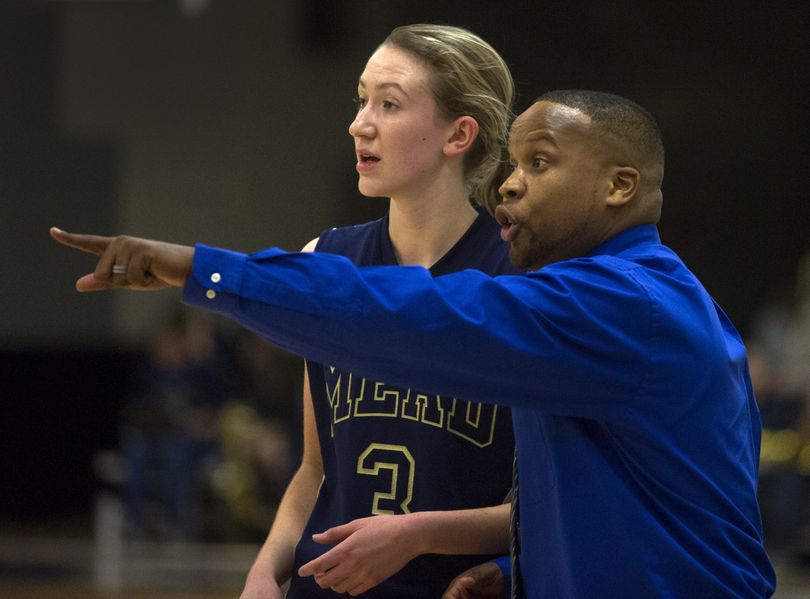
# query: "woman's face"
399,134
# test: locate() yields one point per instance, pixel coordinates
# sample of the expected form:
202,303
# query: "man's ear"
463,134
624,184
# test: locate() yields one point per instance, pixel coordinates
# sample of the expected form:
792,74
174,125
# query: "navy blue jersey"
394,450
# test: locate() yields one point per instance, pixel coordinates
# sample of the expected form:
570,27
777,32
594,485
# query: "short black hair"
621,118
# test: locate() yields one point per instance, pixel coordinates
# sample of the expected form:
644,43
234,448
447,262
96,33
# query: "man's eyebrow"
532,137
384,85
541,136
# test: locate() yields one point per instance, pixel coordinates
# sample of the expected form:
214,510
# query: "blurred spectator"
779,359
170,428
799,350
259,424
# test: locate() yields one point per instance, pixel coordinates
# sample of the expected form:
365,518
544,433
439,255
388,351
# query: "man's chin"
529,260
518,258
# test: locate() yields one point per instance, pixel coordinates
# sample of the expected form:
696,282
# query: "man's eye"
538,162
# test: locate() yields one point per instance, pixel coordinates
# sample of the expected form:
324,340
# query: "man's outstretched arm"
131,262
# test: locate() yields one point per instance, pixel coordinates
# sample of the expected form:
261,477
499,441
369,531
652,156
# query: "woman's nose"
362,125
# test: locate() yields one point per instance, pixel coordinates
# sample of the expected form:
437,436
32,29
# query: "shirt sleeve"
562,335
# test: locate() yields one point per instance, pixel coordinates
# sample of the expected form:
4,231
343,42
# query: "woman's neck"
423,230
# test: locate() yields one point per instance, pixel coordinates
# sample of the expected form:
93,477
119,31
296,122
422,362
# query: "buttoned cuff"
215,280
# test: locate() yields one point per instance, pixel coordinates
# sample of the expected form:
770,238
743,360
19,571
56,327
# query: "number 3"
380,456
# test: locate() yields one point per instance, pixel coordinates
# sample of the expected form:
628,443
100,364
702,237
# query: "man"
636,429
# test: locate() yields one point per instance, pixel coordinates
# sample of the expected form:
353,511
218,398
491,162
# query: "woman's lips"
366,161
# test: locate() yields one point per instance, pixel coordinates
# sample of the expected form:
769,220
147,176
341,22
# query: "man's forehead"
546,119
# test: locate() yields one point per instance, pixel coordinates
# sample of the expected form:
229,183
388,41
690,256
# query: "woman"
390,475
433,109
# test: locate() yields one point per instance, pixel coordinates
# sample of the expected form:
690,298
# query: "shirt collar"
629,238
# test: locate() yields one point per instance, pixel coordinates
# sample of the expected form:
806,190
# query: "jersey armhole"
310,247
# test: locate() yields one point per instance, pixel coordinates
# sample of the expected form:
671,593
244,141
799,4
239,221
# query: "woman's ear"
462,135
624,183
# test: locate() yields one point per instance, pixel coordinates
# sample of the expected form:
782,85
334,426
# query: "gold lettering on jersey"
342,396
384,403
473,421
351,397
427,409
395,460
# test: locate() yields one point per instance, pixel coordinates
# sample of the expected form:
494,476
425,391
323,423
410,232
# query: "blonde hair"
468,77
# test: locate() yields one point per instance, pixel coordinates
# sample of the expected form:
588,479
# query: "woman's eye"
388,105
511,166
359,102
538,162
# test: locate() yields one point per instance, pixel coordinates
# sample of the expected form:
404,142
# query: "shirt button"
210,294
216,277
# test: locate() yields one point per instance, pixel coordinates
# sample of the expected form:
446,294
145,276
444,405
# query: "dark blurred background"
225,122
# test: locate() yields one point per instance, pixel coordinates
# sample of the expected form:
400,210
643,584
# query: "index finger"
92,244
320,565
336,533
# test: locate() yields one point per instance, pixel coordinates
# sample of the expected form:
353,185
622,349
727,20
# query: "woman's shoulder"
337,239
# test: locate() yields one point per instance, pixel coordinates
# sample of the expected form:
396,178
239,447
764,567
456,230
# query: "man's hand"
368,551
484,581
130,262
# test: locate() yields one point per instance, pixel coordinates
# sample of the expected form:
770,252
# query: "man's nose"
513,188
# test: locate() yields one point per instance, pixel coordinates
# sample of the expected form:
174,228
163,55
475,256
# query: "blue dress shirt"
635,423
